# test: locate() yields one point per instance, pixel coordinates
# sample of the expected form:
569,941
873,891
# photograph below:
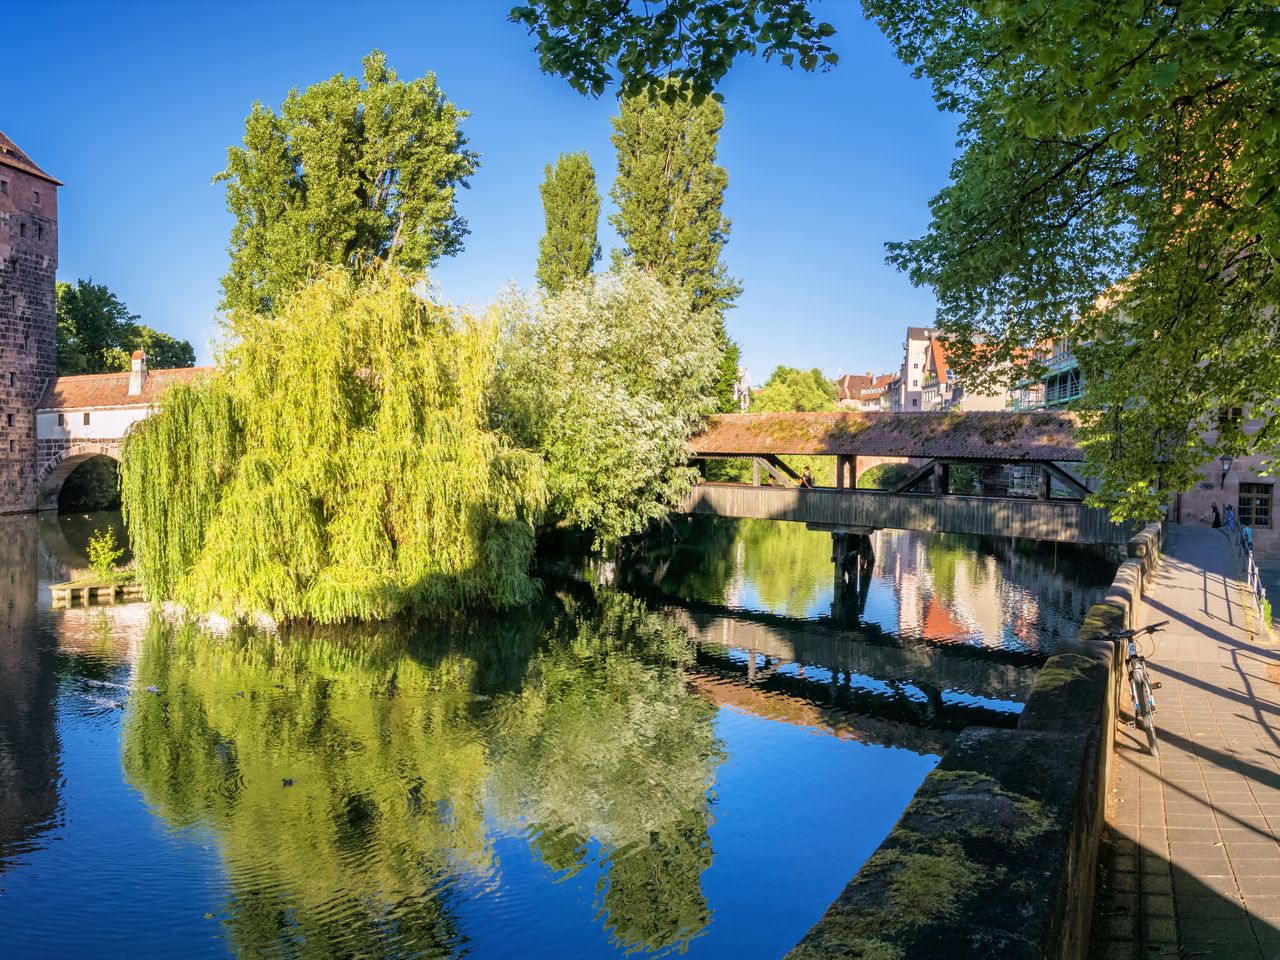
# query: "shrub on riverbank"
340,466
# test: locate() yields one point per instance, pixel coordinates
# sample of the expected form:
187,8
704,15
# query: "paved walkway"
1191,866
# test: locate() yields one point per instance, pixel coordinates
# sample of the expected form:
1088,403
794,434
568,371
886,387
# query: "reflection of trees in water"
788,565
605,741
573,726
29,746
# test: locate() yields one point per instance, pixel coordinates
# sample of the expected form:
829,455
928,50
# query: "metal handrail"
1253,576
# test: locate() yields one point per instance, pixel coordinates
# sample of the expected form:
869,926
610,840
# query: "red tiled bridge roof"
980,435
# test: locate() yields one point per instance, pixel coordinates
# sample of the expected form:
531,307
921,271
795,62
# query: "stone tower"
28,344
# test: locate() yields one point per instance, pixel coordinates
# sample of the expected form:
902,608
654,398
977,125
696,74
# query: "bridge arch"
54,471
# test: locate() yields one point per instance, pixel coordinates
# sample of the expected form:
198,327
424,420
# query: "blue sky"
134,105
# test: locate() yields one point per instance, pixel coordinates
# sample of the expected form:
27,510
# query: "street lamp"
1225,459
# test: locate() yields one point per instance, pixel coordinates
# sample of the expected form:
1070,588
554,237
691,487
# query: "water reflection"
29,745
1012,595
617,771
354,782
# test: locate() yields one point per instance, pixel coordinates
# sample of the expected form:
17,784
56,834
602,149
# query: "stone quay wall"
996,856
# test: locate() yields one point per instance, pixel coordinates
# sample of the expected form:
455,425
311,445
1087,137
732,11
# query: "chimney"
138,375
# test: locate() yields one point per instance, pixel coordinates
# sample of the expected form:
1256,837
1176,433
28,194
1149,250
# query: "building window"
4,186
86,418
62,419
13,446
915,383
915,366
1255,505
915,401
8,419
22,229
39,231
13,379
36,197
1230,414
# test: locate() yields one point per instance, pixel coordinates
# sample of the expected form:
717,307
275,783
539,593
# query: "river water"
688,751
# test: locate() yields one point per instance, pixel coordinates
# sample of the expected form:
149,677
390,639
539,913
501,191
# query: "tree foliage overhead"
608,380
589,42
571,202
1117,188
339,467
347,173
98,334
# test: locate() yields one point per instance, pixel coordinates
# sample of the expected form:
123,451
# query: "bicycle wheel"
1149,725
1143,708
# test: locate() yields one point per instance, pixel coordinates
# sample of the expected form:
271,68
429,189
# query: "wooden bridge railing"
1063,520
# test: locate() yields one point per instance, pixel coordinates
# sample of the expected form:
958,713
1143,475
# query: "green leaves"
345,175
607,380
1116,191
592,43
568,249
339,467
98,334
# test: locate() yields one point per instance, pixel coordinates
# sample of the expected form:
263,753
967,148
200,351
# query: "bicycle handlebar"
1130,634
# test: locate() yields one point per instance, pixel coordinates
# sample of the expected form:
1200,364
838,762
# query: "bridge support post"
853,557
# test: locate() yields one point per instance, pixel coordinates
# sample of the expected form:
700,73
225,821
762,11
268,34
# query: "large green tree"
670,194
345,174
571,202
98,334
608,380
340,465
1117,189
589,42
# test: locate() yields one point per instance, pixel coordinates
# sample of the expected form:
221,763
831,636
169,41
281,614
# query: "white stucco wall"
109,423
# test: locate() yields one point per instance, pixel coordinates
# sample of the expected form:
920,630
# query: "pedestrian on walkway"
1248,537
806,479
1217,518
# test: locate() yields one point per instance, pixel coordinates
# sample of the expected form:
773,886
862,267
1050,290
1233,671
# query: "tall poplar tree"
669,193
347,173
571,202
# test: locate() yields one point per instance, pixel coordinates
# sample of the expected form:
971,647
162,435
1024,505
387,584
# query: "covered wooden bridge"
995,473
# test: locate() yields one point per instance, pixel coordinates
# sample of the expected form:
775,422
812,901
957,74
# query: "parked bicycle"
1140,685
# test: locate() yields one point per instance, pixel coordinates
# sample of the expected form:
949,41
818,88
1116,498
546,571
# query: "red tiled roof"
11,156
852,384
939,359
112,389
979,435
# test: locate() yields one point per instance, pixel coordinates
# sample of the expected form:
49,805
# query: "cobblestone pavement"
1191,862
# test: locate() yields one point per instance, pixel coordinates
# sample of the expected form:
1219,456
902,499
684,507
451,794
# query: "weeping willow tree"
339,467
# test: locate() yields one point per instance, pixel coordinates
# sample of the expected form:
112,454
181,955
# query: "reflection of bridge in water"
865,685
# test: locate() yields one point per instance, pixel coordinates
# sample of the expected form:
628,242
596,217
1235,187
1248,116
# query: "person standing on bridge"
806,479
